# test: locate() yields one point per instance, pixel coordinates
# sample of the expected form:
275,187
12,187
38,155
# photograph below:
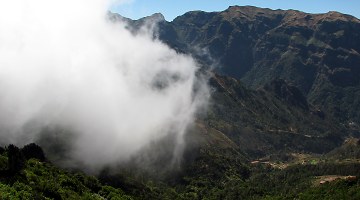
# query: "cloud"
63,65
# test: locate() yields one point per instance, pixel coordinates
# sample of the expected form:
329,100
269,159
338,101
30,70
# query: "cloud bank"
64,65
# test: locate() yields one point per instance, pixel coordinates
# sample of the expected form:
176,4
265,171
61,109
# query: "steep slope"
275,118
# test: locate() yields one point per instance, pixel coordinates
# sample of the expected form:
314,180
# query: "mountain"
285,100
283,80
317,53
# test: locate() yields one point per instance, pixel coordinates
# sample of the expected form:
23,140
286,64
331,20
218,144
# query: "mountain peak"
156,17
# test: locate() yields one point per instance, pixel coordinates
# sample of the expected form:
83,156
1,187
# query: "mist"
64,65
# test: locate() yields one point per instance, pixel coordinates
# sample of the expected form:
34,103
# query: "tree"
16,161
33,151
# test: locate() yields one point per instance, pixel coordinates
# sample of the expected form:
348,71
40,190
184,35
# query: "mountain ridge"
315,52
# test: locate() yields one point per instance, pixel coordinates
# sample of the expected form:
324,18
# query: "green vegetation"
24,177
217,170
220,171
264,182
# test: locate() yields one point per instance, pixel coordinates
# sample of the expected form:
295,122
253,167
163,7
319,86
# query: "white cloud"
63,65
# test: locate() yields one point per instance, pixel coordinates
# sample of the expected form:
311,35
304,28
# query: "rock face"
318,53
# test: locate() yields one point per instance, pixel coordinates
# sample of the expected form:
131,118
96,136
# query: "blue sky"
172,8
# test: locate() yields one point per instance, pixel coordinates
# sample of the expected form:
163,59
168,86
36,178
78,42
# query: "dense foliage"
26,175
